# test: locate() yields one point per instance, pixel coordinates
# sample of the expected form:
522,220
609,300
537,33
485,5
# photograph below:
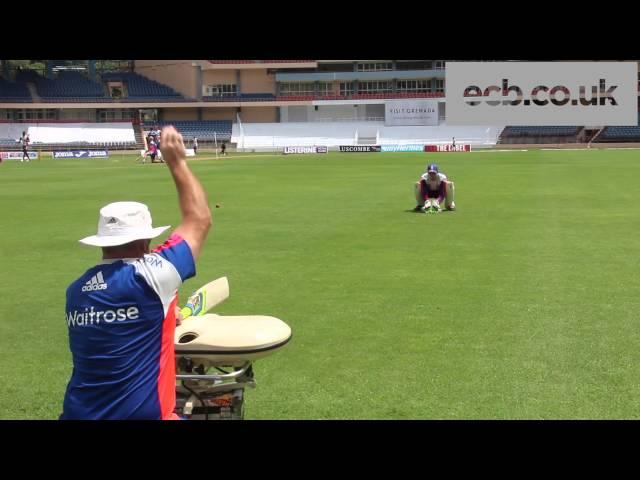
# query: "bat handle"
186,312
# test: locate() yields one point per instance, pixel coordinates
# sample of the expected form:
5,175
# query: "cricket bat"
206,297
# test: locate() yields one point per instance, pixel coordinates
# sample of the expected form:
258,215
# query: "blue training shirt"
121,320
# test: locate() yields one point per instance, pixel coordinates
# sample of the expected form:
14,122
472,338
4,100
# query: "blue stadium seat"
68,85
546,131
142,88
621,133
203,129
14,91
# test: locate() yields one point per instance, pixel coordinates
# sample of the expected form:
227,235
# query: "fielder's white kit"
432,189
434,184
25,140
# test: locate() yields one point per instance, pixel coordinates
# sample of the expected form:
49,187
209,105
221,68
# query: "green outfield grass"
523,304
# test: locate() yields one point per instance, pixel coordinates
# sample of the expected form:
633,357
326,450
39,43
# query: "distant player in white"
432,189
25,140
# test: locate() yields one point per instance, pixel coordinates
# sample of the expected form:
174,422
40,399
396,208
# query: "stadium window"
439,65
439,85
221,90
346,88
374,87
297,88
413,85
374,67
325,88
229,90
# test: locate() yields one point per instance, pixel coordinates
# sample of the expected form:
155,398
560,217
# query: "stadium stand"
203,129
620,134
77,99
542,134
14,91
442,134
244,97
47,135
13,130
331,134
77,87
70,85
24,76
141,88
540,131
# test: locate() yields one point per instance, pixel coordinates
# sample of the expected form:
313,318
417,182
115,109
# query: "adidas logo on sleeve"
96,283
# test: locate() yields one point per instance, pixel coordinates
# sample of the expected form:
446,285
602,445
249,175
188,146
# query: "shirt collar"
107,261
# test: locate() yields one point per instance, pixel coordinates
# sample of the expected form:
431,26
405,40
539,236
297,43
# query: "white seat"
331,134
61,133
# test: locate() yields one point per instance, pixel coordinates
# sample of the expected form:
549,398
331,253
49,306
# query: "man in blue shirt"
122,313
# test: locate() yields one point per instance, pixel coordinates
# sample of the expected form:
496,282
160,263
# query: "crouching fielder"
432,189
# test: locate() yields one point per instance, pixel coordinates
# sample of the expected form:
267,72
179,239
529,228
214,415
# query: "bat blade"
206,297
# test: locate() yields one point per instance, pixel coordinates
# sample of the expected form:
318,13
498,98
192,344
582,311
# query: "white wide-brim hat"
123,222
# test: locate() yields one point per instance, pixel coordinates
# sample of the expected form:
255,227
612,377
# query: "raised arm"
194,205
